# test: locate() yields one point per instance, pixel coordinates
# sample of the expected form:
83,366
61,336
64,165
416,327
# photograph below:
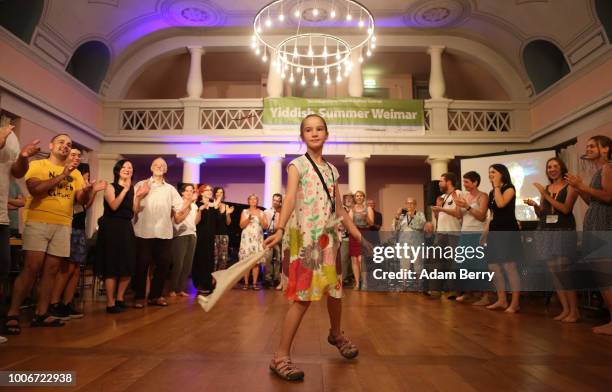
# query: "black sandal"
39,321
12,329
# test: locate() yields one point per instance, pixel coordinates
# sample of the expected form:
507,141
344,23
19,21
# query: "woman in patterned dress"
252,222
309,230
598,218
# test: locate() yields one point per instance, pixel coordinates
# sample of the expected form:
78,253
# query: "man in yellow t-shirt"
54,185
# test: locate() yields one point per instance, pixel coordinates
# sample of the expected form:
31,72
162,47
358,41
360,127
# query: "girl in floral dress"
252,222
308,227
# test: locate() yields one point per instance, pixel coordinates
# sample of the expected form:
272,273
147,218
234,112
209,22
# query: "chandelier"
312,41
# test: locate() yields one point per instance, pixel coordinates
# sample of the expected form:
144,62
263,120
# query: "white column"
274,85
356,172
191,168
104,172
195,86
273,178
437,86
439,165
355,80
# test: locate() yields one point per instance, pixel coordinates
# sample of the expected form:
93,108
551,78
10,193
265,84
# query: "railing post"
438,119
191,114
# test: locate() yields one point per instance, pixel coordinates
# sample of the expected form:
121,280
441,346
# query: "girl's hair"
183,186
303,123
603,141
252,195
202,187
117,169
561,165
359,192
472,176
503,170
215,192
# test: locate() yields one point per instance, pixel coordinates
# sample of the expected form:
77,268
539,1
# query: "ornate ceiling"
505,26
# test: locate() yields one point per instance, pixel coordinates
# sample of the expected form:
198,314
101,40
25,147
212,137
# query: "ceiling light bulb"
291,78
312,71
349,17
325,70
253,38
369,53
268,22
299,69
373,45
315,12
360,59
297,13
259,29
337,55
339,78
283,76
328,80
253,45
374,38
332,13
370,30
361,24
316,82
257,51
303,81
265,58
281,17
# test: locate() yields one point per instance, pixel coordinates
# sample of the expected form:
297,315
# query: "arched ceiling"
505,26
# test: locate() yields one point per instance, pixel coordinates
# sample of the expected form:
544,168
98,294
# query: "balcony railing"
208,116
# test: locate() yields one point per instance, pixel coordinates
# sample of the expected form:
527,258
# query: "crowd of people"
151,232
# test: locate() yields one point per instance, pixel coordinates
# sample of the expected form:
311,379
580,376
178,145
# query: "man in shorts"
54,185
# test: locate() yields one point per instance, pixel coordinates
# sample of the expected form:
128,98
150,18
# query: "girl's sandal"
347,349
13,328
285,369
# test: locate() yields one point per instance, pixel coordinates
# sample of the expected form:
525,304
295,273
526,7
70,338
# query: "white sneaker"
3,339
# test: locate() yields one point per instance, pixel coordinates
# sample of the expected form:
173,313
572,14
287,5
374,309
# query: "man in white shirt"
272,266
157,209
448,229
13,162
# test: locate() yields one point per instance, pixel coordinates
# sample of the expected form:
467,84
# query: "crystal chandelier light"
312,40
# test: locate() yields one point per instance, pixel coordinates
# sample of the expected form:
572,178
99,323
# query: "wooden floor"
407,343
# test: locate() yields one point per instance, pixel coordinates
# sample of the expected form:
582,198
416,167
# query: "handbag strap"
314,166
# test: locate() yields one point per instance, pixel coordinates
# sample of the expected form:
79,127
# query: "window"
20,17
603,8
89,64
545,64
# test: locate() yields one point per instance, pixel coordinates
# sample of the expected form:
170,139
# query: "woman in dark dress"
556,236
222,234
503,239
116,245
204,259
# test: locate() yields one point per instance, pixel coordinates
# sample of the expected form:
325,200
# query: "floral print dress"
311,239
251,239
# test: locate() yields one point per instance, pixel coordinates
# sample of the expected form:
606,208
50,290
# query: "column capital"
271,157
356,157
434,49
191,158
439,158
196,50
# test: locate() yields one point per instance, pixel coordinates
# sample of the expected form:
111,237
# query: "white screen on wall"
525,169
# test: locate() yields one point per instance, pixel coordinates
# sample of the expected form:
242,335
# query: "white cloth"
448,223
187,226
469,222
155,218
8,155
